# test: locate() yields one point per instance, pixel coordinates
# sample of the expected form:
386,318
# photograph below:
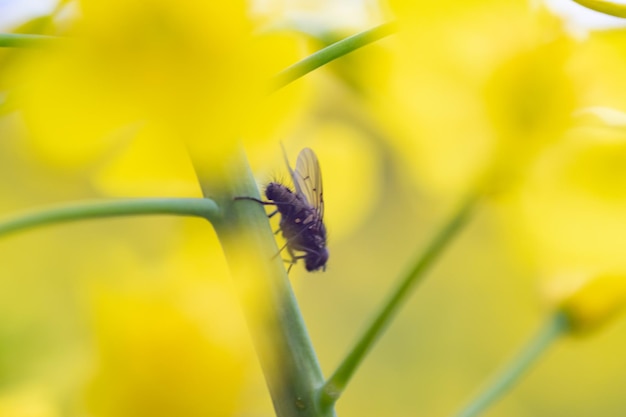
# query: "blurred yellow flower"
569,211
177,347
158,360
598,66
194,74
486,93
595,303
530,102
478,88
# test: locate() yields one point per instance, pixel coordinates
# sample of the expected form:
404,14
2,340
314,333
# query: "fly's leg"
282,249
290,262
265,203
294,259
269,216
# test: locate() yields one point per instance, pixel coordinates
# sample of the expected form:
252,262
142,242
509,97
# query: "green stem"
18,40
330,53
284,349
199,207
336,384
606,7
556,325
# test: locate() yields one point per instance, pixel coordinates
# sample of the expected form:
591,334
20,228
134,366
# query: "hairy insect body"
301,212
301,226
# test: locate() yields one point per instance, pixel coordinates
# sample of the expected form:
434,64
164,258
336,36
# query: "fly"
302,212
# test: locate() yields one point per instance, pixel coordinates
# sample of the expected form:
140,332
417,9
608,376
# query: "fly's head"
315,260
274,190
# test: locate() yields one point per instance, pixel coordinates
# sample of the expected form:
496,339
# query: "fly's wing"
307,179
291,172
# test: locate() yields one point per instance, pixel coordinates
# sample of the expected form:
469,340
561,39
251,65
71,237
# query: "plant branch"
18,40
556,325
330,53
198,207
334,387
280,338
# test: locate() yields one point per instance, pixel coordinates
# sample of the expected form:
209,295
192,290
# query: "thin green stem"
198,207
18,40
556,325
277,329
334,387
330,53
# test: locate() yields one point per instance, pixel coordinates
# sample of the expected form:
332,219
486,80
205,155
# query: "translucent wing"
307,179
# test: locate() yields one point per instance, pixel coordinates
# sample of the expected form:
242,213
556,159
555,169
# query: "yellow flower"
176,78
176,347
156,359
478,89
595,303
569,211
530,103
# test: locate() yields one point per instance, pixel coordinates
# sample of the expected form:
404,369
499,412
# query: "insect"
302,212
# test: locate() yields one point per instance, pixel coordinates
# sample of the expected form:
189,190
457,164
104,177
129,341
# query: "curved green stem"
334,387
556,325
18,40
330,53
198,207
606,7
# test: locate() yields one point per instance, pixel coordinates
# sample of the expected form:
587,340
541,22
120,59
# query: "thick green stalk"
554,328
198,207
330,53
336,384
278,332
